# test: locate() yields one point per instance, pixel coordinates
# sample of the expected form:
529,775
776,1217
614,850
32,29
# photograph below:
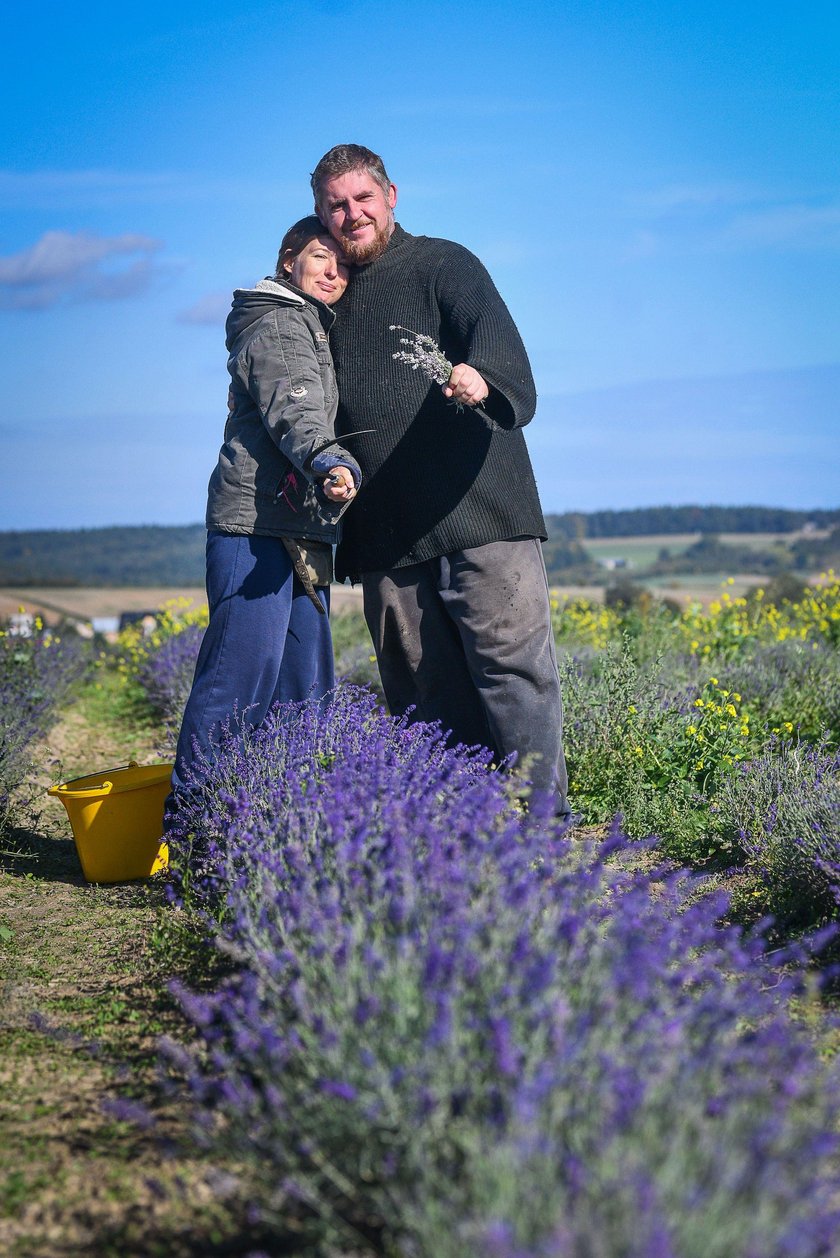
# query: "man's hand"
466,385
339,485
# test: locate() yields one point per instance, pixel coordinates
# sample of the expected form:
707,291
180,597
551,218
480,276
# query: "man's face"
358,213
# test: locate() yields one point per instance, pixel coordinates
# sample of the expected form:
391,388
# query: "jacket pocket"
325,365
290,490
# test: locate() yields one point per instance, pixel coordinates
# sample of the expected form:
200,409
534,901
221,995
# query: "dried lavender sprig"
424,352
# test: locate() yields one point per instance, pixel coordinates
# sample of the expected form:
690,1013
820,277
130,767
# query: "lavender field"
421,1019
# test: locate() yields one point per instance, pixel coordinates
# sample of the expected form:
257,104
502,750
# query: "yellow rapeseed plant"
174,616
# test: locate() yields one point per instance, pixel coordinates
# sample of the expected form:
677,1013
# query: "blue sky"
655,188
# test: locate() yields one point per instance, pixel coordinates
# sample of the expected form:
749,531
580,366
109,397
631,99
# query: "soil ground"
83,1000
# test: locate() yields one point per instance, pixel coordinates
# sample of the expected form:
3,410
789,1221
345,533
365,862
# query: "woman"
275,499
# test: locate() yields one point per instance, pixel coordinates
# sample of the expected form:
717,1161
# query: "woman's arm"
282,374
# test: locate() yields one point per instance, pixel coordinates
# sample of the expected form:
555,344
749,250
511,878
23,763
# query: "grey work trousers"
466,639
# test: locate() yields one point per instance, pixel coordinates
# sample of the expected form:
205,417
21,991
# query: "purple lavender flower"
36,674
166,674
539,1047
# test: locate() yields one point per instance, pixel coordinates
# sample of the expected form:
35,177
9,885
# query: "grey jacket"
279,435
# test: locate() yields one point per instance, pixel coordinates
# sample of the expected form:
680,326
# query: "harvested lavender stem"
423,352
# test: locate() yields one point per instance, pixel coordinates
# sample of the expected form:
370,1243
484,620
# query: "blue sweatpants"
266,643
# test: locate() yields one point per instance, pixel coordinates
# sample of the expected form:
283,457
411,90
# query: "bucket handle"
104,788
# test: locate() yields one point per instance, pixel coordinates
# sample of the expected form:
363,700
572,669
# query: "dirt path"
83,999
83,603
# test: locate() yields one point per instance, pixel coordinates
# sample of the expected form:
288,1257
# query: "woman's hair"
297,238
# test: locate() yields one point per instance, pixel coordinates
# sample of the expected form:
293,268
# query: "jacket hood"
251,304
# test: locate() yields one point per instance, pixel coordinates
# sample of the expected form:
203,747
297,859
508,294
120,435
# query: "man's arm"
492,367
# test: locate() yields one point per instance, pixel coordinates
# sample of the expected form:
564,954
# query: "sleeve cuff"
328,459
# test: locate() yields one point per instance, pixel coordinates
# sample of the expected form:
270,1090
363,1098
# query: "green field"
640,552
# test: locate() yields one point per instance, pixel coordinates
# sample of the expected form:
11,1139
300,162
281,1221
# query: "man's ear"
392,195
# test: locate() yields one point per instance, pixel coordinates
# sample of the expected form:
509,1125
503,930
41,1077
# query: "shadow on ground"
50,856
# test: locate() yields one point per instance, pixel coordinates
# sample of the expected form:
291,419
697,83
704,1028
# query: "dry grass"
83,999
54,603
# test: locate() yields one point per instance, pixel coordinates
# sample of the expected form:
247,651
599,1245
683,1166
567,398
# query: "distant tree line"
149,555
646,521
143,555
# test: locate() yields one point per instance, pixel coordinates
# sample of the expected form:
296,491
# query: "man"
446,532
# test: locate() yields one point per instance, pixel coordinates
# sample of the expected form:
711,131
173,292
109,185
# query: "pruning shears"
325,445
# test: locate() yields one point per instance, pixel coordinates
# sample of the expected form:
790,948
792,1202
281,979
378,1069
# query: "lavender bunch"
454,1030
424,354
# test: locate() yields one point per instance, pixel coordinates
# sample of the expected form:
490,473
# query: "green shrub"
657,757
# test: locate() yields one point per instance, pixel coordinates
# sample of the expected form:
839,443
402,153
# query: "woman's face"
319,270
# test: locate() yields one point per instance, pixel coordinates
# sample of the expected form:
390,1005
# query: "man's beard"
360,254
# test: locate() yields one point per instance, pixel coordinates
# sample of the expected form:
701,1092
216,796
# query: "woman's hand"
466,385
339,485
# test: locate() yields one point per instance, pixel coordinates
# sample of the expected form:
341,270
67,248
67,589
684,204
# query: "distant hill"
145,555
157,555
653,521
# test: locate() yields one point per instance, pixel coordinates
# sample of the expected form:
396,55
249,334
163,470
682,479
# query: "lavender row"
455,1029
639,745
165,674
36,673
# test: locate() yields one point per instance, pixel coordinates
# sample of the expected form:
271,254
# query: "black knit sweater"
436,479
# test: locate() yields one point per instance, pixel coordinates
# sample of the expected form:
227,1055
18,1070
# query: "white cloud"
490,105
107,189
211,309
725,216
80,266
799,226
676,197
763,436
45,188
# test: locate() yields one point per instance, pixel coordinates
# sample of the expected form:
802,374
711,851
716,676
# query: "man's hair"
297,238
342,159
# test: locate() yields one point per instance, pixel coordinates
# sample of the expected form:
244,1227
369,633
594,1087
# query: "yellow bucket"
117,821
